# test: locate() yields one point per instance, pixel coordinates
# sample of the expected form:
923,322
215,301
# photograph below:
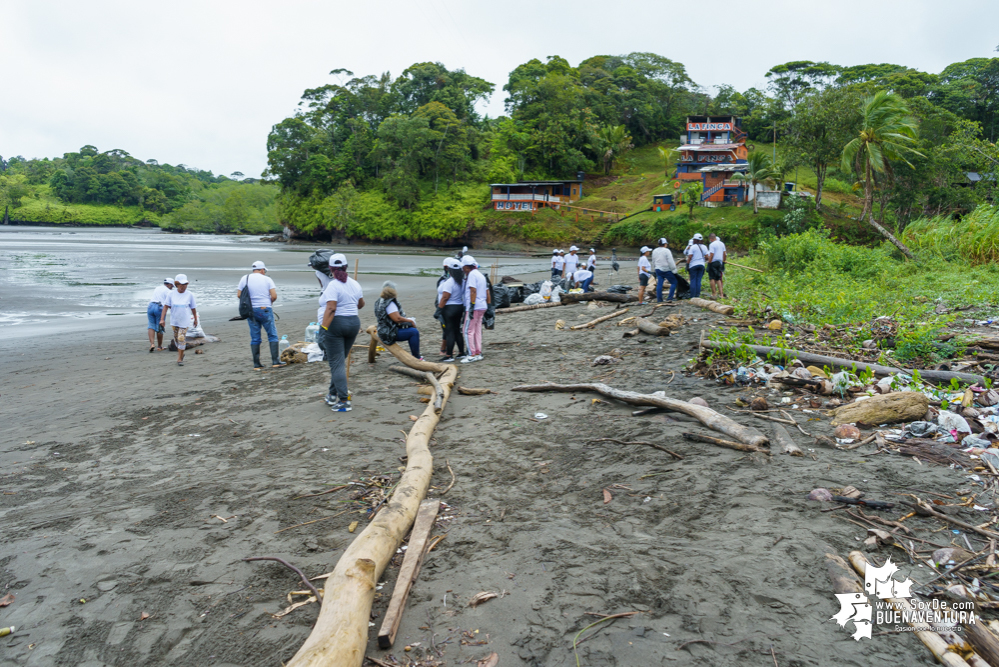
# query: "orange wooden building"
532,195
715,150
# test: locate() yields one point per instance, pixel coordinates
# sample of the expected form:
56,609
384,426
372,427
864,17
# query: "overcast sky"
201,82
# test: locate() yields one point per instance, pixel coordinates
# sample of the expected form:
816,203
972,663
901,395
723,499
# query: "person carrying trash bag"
263,293
665,267
339,325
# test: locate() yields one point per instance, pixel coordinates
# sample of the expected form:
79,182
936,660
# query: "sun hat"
468,260
168,281
181,279
338,259
258,265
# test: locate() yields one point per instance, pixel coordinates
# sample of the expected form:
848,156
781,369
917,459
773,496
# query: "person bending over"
153,312
583,278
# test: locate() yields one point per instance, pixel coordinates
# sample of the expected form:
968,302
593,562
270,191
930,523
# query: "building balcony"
527,197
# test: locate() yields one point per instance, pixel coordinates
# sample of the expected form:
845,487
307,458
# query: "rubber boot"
275,357
255,349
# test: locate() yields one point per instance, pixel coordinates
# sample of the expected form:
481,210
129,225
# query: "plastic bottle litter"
311,332
283,344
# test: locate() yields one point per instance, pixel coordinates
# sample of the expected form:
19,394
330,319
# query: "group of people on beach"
174,299
566,265
698,256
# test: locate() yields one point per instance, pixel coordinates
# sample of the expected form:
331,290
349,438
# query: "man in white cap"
476,301
153,312
591,261
696,255
263,293
571,262
557,263
183,311
717,256
644,272
451,300
665,267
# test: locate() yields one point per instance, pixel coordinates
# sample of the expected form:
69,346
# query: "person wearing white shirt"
263,292
571,262
696,255
583,278
717,256
183,310
558,261
450,299
591,261
665,268
477,298
339,305
153,312
644,271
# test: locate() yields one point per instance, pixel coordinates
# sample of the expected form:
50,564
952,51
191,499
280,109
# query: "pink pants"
473,332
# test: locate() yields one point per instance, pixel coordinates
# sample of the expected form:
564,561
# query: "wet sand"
117,465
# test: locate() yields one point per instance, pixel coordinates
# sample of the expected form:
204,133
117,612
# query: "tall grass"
973,239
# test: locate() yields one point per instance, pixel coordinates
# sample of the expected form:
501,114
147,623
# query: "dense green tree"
423,83
609,143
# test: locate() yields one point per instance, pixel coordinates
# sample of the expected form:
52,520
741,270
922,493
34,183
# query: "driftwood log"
474,391
517,309
651,328
713,306
783,440
402,355
707,416
842,577
933,641
696,437
340,635
593,323
575,297
438,391
980,637
837,362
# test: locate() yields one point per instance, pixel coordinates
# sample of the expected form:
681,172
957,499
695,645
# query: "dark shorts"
716,270
643,279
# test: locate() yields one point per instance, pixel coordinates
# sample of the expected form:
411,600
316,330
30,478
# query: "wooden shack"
532,195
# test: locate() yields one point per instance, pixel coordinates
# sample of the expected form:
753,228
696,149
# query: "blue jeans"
262,317
411,334
586,284
696,273
665,275
153,313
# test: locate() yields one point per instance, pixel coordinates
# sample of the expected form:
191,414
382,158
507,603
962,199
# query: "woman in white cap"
696,254
591,261
153,312
644,271
476,300
263,293
571,262
450,299
339,325
183,309
557,263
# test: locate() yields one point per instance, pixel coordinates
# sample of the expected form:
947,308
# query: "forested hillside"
408,158
113,188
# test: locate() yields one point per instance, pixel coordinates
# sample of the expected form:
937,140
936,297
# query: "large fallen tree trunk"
517,309
823,360
714,306
574,297
340,635
707,416
697,437
593,323
401,354
651,328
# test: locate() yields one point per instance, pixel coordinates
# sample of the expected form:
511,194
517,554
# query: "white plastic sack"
534,299
315,354
195,332
556,295
953,422
546,290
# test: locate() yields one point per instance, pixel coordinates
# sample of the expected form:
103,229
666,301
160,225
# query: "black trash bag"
503,296
682,287
618,289
530,288
320,261
489,319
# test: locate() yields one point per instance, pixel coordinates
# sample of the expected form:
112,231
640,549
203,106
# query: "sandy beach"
132,489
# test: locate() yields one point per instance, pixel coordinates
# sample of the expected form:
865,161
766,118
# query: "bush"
974,238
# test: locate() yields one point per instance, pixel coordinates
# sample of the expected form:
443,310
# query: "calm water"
67,279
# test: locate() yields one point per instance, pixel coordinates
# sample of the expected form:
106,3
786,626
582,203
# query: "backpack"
245,305
320,260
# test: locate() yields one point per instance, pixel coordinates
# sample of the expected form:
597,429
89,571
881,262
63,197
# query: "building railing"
526,197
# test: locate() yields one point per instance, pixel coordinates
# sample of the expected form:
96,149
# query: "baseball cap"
451,263
645,249
338,259
468,260
592,250
555,251
181,279
258,265
168,281
663,241
698,237
571,248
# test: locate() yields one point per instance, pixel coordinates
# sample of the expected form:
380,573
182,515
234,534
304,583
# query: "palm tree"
759,169
665,154
887,134
609,143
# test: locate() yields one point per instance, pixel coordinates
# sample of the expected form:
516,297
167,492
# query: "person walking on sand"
583,278
644,271
393,325
183,310
571,263
153,312
451,299
717,256
339,325
557,263
591,261
476,300
263,293
665,268
696,255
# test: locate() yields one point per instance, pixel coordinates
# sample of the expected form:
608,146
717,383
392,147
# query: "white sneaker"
467,360
477,357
